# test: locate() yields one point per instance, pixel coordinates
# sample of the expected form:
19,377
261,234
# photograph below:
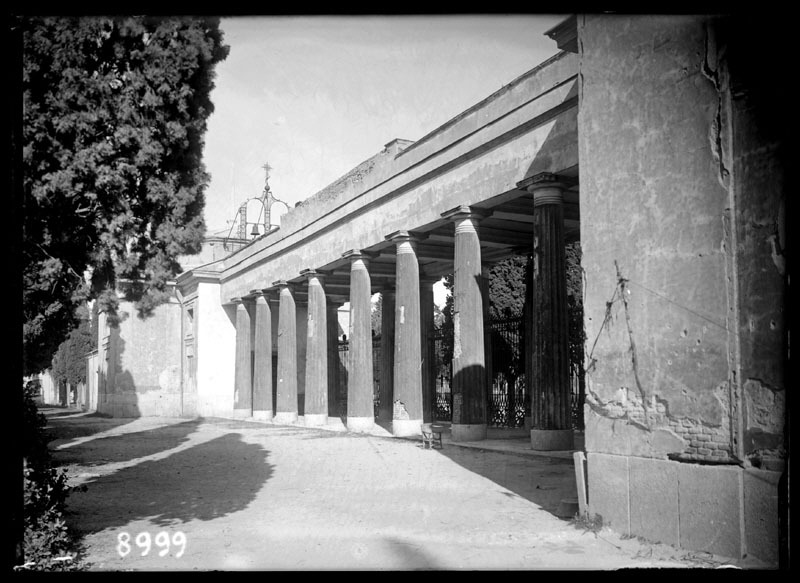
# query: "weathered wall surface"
681,230
652,231
144,378
756,107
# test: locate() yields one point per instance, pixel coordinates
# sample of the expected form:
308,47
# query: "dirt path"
220,494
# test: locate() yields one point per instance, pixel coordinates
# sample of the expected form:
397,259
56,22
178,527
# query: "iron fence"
508,401
342,374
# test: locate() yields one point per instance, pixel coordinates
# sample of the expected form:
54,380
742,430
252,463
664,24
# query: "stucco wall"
678,201
215,349
652,231
144,364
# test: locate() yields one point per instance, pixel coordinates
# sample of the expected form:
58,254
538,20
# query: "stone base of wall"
552,439
721,509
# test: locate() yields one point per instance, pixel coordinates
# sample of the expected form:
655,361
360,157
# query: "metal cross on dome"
268,199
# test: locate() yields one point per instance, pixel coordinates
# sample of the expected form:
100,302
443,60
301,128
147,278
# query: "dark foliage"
47,540
114,114
69,362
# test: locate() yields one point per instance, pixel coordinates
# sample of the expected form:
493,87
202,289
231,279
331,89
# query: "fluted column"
262,359
286,401
487,332
426,346
243,385
469,366
551,420
360,407
387,354
333,359
316,405
407,405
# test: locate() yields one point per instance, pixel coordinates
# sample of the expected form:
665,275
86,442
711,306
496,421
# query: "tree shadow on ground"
73,425
204,482
126,446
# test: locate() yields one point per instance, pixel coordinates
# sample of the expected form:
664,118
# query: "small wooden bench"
431,435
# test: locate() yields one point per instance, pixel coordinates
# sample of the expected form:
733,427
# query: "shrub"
47,539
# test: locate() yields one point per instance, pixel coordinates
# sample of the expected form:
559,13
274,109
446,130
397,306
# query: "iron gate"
507,399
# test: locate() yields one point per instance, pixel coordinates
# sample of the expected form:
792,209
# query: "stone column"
360,407
387,354
286,401
527,316
426,346
469,368
407,404
551,420
262,367
243,386
487,333
316,405
333,359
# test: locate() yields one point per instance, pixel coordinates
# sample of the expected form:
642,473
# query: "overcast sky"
316,96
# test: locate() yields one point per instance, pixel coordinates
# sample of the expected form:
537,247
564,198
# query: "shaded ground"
258,496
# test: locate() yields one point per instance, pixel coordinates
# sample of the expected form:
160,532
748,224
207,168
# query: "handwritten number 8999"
144,541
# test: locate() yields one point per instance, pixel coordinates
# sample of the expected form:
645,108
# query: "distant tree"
69,362
114,114
438,317
507,288
377,316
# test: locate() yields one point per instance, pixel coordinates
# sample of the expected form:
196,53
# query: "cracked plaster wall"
660,258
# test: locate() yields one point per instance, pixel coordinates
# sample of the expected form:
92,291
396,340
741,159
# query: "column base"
552,439
285,418
468,432
315,419
262,415
242,413
360,424
406,427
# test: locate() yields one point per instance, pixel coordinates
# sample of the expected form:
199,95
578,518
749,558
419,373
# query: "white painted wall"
216,353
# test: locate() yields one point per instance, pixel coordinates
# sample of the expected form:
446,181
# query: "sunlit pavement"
179,494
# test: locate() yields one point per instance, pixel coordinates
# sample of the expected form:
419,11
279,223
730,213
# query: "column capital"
403,236
239,300
283,284
259,296
546,188
355,254
543,180
314,274
466,212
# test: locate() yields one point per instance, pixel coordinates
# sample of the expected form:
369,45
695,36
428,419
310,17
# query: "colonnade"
407,371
